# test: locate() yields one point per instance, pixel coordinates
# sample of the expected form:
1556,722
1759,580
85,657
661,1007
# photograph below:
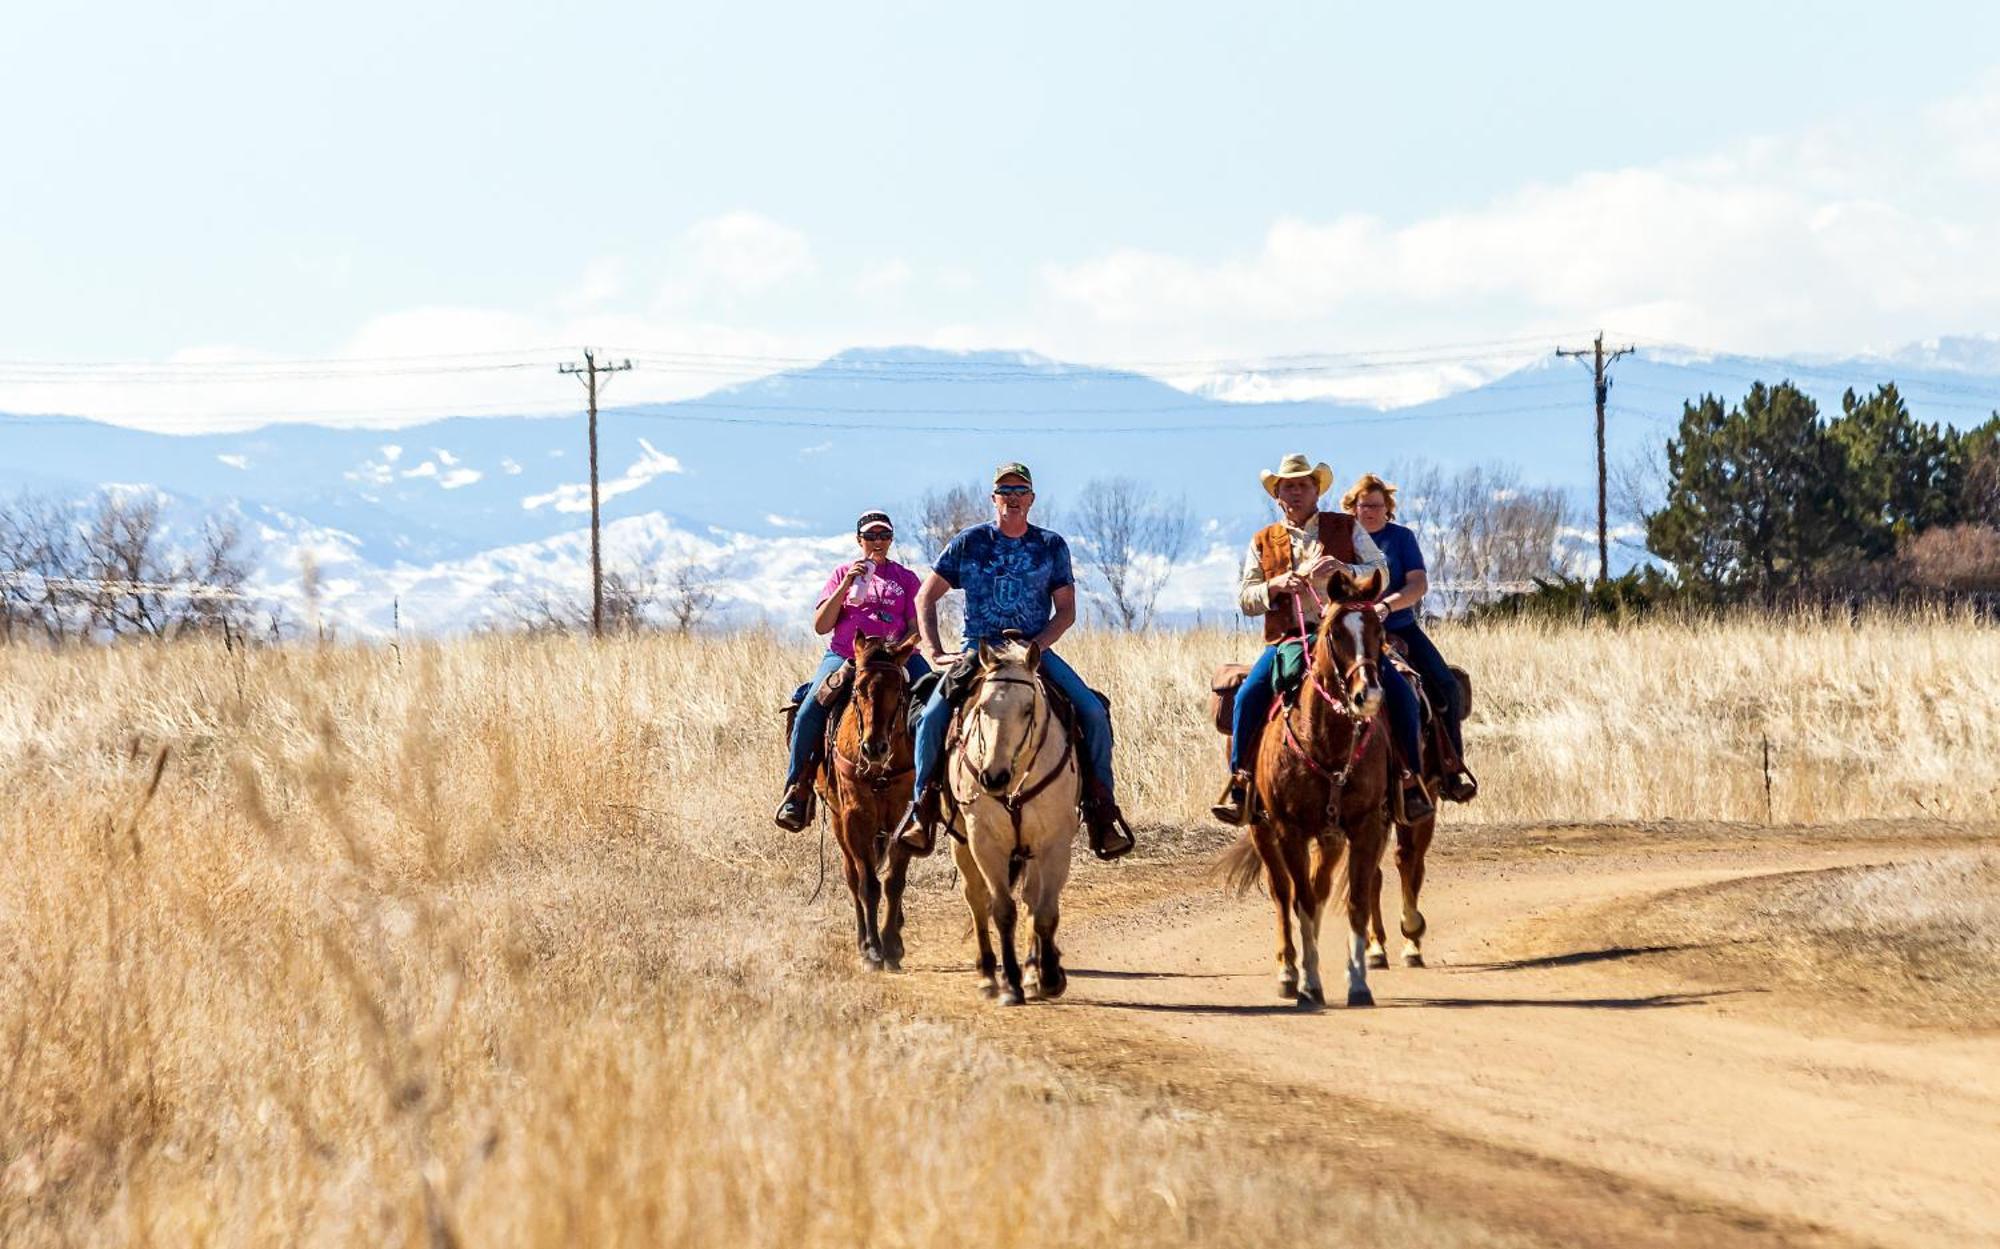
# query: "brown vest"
1274,555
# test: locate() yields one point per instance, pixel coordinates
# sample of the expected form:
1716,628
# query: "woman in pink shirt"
872,595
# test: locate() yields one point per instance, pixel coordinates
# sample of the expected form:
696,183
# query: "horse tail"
1240,866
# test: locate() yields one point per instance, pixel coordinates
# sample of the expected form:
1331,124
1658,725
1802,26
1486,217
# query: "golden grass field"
491,941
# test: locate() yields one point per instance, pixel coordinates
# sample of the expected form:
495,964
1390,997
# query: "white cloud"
746,253
575,496
776,521
885,278
426,469
509,467
235,461
460,477
391,453
445,458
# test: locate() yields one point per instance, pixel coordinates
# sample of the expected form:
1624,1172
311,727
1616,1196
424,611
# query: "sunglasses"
878,535
1010,492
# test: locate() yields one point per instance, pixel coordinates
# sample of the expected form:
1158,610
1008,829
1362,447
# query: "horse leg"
1412,844
892,922
1279,878
1364,855
1305,913
1047,873
994,850
861,886
973,886
1378,936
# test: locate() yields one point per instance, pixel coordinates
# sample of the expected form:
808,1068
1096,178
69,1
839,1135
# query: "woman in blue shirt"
1373,502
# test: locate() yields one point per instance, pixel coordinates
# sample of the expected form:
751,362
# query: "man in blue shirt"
1017,578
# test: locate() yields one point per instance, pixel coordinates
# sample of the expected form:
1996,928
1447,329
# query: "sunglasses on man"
1010,492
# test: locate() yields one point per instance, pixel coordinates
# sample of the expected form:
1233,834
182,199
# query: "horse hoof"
987,988
872,957
1288,984
1307,1002
891,964
1414,958
1378,959
1011,997
1054,987
1360,997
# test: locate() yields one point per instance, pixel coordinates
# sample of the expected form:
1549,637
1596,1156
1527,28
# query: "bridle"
1040,717
877,777
1364,730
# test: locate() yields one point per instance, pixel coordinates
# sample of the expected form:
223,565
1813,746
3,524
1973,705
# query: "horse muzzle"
994,780
874,751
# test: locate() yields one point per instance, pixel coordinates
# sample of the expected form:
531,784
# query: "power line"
1602,390
588,371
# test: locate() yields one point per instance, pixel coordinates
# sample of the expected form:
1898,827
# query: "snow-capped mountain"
759,483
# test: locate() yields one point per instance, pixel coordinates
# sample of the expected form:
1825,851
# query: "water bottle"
863,586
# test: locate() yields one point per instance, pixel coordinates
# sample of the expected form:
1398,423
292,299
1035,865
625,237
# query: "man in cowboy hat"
1302,549
1017,579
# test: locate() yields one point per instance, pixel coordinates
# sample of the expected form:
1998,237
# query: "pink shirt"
888,606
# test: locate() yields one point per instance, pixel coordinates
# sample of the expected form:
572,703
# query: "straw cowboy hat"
1294,465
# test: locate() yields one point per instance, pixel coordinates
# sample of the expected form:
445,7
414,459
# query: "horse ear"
907,646
985,654
1341,586
1034,656
1371,589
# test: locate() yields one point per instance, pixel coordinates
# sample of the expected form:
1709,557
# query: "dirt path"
1530,1076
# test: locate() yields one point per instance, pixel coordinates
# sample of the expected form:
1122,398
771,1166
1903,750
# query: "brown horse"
866,783
1322,783
1413,843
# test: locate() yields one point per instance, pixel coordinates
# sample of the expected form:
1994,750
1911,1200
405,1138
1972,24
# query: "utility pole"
588,371
1599,362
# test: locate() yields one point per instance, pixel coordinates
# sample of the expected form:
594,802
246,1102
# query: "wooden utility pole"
589,371
1599,362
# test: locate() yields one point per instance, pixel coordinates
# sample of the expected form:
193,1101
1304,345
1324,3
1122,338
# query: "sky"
198,188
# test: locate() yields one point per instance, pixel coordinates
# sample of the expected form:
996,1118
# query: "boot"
1234,805
1110,836
1460,786
1416,803
918,831
795,812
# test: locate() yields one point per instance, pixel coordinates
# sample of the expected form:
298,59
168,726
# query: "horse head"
1000,737
881,687
1349,646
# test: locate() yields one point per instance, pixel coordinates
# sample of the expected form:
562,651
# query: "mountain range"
433,525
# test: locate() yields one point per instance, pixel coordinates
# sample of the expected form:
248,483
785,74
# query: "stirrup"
1110,837
1460,786
1234,805
795,809
917,832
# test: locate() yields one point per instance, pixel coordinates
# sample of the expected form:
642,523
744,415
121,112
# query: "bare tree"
942,515
690,593
39,562
631,599
1480,528
1130,539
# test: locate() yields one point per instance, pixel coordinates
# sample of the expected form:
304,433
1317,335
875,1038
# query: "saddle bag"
1222,695
835,689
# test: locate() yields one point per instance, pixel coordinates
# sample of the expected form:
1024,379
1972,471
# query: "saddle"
1228,678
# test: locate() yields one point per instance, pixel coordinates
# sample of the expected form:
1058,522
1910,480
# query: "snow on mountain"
759,483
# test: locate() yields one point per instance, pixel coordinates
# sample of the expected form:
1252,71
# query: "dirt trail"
1580,1093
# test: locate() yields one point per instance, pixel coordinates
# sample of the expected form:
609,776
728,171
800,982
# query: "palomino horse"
865,783
1322,779
1014,778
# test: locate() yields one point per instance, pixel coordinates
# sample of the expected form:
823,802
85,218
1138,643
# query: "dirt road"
1532,1076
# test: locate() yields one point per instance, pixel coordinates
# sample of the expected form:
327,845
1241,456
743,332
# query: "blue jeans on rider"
1439,682
935,724
1253,705
809,728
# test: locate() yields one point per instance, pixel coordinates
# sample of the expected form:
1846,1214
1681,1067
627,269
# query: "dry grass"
1916,942
491,941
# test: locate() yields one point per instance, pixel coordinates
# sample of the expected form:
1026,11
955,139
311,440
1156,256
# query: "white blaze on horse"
1015,779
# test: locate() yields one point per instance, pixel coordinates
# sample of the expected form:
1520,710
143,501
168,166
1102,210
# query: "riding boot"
1234,805
918,831
795,812
1110,836
1460,786
1416,803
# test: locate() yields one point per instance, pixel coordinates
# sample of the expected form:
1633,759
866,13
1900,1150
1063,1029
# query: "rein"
877,777
1365,730
1022,796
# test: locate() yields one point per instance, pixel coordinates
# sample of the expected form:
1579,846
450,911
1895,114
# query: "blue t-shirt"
1399,547
1008,582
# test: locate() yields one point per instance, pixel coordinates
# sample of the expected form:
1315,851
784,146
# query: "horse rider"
872,595
1284,580
1017,579
1373,503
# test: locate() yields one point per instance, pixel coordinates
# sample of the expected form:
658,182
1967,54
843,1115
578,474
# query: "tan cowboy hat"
1294,465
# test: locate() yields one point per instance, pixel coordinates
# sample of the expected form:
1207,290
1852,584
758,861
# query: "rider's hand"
1323,567
855,571
1284,583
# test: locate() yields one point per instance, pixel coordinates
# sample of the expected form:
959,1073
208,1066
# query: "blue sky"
1134,181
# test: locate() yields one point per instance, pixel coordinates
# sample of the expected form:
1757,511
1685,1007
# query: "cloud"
575,496
460,477
235,461
745,253
776,521
886,278
1842,238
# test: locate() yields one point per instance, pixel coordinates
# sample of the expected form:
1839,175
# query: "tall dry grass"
491,941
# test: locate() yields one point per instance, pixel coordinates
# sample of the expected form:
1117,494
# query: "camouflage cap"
1013,469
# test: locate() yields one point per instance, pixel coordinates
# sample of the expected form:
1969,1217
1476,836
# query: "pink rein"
1367,733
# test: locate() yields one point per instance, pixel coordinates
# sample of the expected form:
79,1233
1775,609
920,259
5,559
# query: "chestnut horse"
1413,843
1322,784
865,782
1015,779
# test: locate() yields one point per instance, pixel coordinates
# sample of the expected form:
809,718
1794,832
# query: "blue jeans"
809,727
935,724
1253,705
1439,682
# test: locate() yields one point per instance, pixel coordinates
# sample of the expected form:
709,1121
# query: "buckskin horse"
1014,778
865,782
1321,785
